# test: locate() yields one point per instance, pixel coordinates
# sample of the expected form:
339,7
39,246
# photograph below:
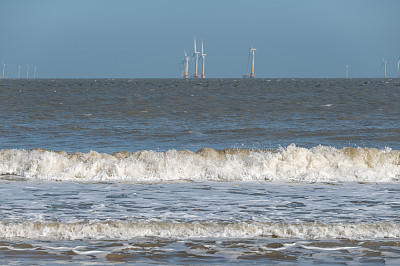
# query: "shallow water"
190,223
298,171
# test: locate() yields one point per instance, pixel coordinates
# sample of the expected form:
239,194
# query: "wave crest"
318,164
127,230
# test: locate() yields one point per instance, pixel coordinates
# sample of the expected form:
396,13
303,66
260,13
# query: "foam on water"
318,164
122,230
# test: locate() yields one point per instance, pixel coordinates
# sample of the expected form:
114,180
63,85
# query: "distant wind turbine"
203,59
196,58
398,66
384,64
4,69
19,70
34,73
27,71
185,66
251,55
347,71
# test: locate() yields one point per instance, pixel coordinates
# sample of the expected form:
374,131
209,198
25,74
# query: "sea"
200,171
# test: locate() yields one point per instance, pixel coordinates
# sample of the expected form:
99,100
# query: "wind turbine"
384,63
196,57
34,73
4,68
185,66
27,71
182,67
203,58
19,70
347,71
398,66
251,54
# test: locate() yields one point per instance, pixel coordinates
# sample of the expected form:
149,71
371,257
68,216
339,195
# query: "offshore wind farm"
192,62
187,61
18,72
197,55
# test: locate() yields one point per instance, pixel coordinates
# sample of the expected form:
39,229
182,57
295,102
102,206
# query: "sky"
147,38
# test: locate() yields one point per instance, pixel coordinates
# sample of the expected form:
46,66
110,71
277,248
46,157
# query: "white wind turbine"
27,71
187,59
185,66
398,66
34,73
19,70
196,57
203,58
182,67
347,71
251,55
4,69
384,64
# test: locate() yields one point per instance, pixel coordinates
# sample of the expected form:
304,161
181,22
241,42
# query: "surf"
317,164
121,230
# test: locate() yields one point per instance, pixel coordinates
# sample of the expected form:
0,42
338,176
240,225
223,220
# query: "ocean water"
214,171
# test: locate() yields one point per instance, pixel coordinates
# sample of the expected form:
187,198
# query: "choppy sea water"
153,171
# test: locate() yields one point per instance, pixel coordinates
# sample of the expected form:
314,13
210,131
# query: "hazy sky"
144,39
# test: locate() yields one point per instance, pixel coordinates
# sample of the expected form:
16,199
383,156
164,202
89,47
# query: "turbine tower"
19,71
203,59
196,57
34,73
27,71
252,50
347,71
384,63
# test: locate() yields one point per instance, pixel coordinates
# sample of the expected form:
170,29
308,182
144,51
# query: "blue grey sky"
146,39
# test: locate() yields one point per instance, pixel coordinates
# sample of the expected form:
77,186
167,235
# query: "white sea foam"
328,249
122,230
318,164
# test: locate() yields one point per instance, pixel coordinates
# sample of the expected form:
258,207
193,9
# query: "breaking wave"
123,230
318,164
